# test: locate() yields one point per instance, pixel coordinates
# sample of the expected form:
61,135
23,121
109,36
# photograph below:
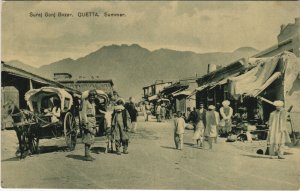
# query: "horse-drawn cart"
53,112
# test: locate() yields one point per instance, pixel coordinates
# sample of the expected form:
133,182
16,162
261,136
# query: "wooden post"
30,84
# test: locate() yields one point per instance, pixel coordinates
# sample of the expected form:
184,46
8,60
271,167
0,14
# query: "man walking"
147,111
200,125
133,112
212,121
179,124
120,124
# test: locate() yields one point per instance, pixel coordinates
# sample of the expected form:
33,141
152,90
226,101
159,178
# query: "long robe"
120,124
226,123
278,133
212,121
200,125
89,118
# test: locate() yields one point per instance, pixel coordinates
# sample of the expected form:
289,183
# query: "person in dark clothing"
193,118
200,125
133,112
120,123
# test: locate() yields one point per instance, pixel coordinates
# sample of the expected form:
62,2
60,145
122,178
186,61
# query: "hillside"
21,65
131,66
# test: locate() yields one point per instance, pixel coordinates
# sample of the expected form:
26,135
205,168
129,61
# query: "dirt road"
152,163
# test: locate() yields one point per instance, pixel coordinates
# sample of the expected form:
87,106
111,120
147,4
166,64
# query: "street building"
83,83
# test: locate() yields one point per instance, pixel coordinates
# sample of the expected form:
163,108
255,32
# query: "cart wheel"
70,131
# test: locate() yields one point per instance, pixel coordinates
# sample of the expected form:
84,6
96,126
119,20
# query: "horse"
22,120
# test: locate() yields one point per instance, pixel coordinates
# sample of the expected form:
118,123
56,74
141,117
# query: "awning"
255,80
224,81
257,91
163,100
11,70
202,87
198,89
154,97
182,93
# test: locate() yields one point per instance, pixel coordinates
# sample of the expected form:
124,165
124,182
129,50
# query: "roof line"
35,75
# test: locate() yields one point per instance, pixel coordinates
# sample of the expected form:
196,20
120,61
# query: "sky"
203,26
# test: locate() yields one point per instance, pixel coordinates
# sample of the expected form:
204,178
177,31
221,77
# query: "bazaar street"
152,163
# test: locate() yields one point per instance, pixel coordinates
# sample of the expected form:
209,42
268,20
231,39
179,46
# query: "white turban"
211,107
278,103
226,103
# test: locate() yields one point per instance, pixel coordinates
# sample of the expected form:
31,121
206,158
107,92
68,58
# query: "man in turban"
278,134
89,126
226,112
121,123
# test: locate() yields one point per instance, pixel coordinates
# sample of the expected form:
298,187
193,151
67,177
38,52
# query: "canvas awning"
255,80
257,91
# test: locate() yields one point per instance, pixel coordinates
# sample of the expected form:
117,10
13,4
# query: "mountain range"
132,67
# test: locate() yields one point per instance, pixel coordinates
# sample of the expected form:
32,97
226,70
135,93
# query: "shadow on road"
50,149
190,144
257,156
76,157
98,149
42,150
167,147
11,159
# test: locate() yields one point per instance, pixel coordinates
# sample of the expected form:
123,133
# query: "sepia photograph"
160,95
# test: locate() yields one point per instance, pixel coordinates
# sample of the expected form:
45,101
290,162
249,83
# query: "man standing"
89,123
120,123
226,112
193,117
147,111
158,112
130,107
163,111
278,133
179,124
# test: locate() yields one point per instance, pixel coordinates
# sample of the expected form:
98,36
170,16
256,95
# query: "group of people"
209,123
205,124
119,122
161,111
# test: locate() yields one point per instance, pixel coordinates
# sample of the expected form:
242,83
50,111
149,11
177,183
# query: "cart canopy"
35,97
